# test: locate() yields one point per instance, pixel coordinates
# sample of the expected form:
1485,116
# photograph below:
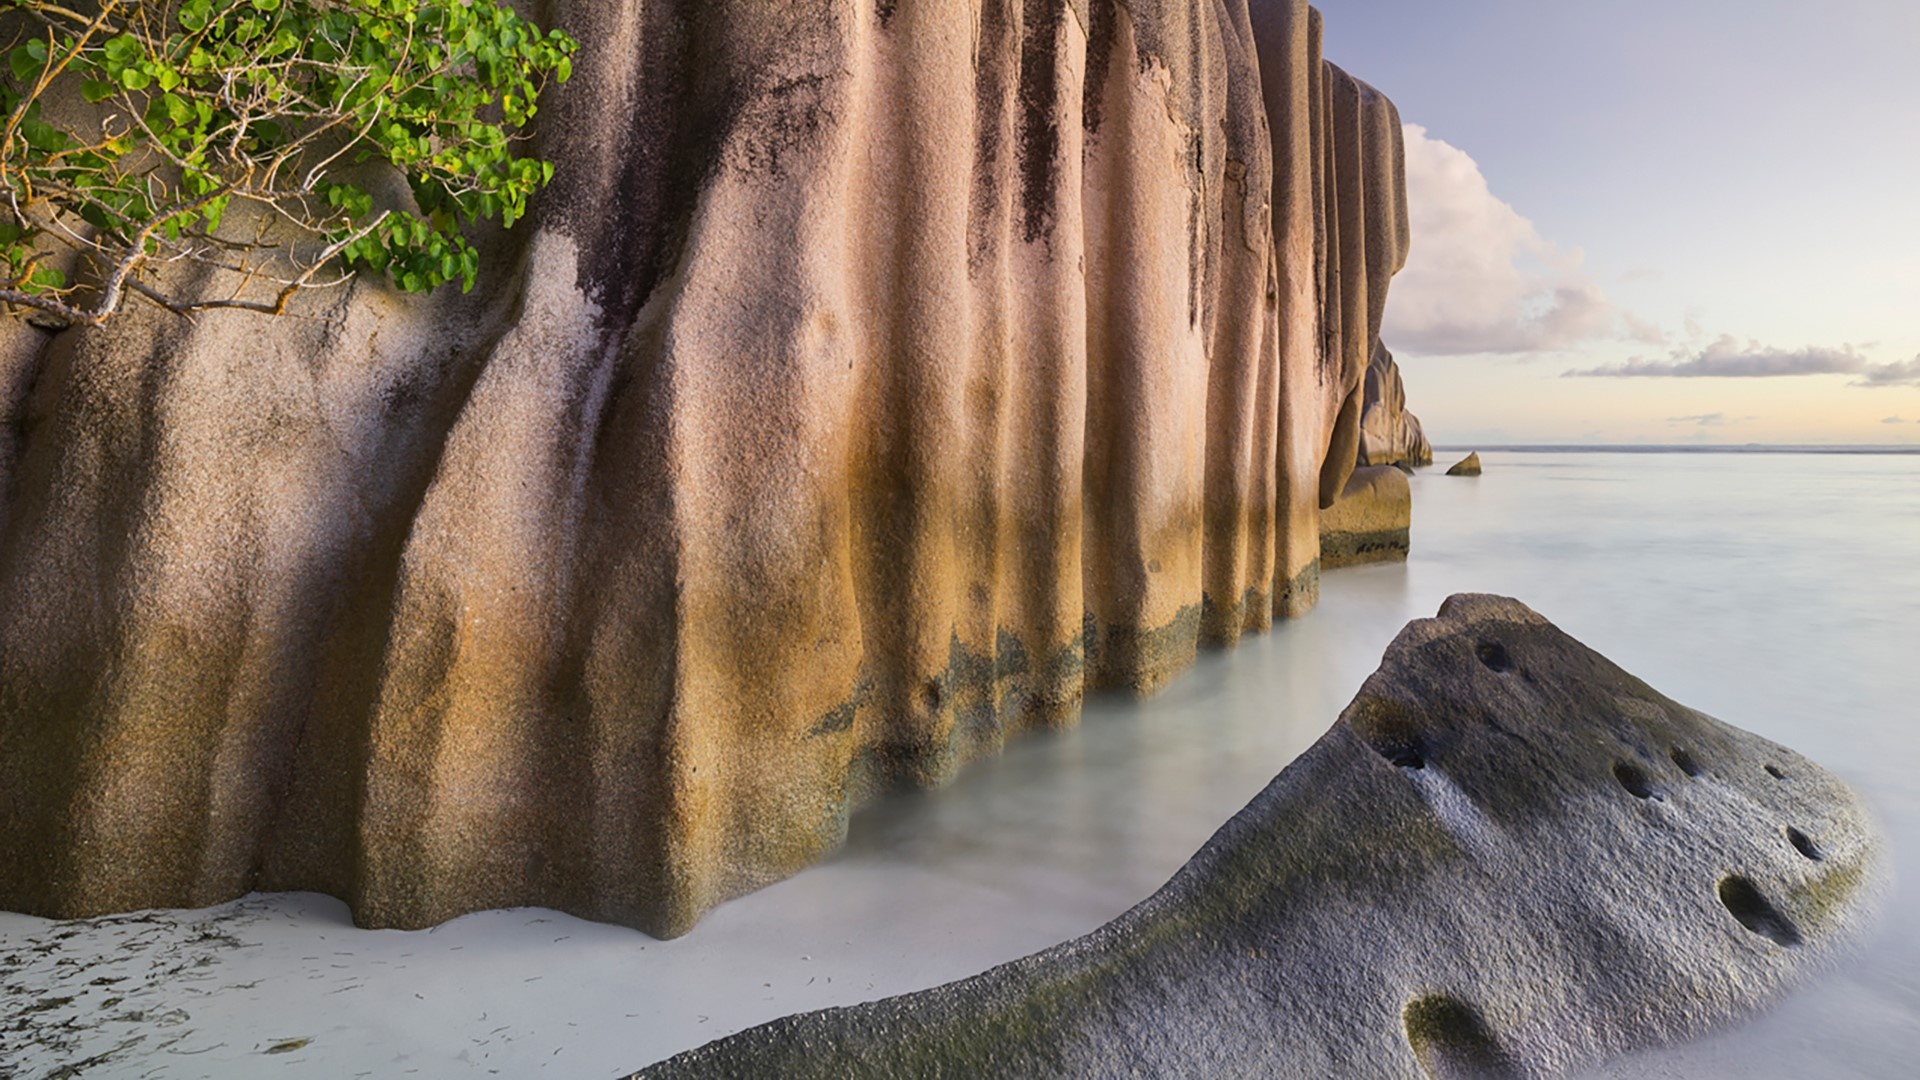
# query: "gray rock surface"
1508,858
1466,466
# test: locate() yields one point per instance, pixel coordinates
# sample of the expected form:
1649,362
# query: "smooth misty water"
1779,592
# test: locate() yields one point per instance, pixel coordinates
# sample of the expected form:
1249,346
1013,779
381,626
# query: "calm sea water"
1778,592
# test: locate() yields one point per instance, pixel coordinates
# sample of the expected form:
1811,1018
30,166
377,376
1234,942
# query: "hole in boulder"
1756,912
1494,655
1633,779
1452,1042
1393,731
1685,761
1775,772
932,695
1804,844
1406,753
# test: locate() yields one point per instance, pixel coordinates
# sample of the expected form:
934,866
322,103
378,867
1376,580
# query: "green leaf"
95,91
134,79
124,49
26,67
43,136
195,14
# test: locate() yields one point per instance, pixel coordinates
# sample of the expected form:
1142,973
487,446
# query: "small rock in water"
1508,858
1466,466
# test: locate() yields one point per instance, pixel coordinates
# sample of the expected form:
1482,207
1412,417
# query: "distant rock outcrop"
1372,521
1389,434
1466,466
1509,858
872,379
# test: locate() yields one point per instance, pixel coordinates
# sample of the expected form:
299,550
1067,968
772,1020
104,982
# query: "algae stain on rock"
1452,1042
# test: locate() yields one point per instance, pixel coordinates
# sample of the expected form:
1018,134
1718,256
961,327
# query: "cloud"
1894,374
1481,279
1892,420
1712,419
1727,358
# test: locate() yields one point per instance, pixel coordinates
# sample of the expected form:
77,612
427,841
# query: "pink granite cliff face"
873,380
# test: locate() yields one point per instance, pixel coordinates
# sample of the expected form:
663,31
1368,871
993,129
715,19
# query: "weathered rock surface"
873,379
1389,434
1466,466
1372,522
1508,858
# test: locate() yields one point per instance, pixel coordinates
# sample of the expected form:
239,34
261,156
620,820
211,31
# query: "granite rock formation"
873,379
1466,466
1508,858
1371,522
1389,433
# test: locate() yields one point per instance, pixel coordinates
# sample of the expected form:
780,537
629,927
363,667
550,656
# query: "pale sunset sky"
1650,221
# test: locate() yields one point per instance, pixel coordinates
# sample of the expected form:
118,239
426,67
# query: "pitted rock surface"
1508,858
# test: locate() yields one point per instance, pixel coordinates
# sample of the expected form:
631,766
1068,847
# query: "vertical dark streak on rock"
993,81
668,147
1100,30
1318,120
1199,99
1039,120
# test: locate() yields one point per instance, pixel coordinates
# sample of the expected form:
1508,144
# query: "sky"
1653,221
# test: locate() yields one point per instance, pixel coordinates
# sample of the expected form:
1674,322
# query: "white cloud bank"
1480,278
1728,358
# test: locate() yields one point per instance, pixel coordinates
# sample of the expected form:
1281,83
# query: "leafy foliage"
132,126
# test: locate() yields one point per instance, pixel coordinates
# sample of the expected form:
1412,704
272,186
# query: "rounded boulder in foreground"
1509,858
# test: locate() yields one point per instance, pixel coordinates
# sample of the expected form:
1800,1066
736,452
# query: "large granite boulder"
1466,466
873,379
1372,522
1389,434
1508,858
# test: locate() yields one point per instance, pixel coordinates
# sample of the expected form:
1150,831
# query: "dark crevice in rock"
1685,761
1755,912
1775,772
1634,779
1494,655
1804,844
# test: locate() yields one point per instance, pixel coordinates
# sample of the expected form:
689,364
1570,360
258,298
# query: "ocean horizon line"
1684,448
